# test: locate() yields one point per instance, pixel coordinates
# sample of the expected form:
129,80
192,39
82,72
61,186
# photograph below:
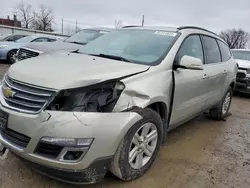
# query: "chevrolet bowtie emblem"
8,92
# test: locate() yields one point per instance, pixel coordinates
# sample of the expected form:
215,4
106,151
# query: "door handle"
205,77
225,72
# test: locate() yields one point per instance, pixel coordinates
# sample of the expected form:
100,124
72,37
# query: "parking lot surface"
199,154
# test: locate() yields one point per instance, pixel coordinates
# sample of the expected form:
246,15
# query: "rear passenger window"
11,38
191,47
211,50
225,51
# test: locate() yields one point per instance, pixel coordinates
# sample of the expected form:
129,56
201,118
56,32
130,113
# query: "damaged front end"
100,97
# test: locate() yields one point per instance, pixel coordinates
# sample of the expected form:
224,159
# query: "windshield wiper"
119,58
75,42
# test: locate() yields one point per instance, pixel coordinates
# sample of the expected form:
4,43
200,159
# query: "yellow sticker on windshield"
166,33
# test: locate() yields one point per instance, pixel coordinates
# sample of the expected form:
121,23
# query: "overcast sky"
215,15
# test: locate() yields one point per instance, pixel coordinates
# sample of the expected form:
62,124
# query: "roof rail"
195,27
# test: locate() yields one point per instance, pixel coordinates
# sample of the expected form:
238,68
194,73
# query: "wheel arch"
15,49
162,109
233,84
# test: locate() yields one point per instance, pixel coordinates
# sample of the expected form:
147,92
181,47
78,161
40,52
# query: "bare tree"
43,19
118,24
235,38
24,11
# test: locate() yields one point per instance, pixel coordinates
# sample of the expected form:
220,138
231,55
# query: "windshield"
85,36
244,55
26,39
134,45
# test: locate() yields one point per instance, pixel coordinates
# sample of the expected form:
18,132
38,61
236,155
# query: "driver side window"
192,47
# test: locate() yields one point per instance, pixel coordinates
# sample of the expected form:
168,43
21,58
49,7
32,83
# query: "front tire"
139,147
220,112
10,56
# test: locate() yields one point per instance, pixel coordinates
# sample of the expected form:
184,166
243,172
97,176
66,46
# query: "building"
10,22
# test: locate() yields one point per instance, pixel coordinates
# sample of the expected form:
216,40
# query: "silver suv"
242,56
109,106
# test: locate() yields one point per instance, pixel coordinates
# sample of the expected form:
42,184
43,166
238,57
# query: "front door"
190,89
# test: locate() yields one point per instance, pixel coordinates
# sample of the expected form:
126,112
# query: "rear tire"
139,147
220,112
10,56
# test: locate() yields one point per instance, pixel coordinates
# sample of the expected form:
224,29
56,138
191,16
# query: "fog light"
69,142
74,149
72,155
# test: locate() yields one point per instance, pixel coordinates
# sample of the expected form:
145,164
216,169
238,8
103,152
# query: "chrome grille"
25,54
25,97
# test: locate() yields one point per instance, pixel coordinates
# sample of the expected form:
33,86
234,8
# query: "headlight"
3,46
96,98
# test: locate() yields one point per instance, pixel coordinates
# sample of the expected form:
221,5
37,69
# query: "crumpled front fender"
144,90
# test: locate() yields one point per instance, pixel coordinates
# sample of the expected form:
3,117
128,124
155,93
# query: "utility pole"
142,23
76,26
62,25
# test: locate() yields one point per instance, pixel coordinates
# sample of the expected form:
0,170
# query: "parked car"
9,49
109,105
11,37
73,43
242,57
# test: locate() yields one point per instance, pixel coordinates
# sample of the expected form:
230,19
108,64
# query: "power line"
62,25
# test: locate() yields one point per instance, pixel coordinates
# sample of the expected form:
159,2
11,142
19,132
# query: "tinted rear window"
225,51
211,50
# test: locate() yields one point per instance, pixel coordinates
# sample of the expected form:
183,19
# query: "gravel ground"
199,154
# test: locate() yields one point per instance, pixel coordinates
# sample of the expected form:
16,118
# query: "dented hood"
70,70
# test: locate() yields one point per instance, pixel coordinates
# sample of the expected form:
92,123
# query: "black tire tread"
216,113
8,58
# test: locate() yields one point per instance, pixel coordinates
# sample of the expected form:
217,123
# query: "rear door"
215,71
230,68
190,91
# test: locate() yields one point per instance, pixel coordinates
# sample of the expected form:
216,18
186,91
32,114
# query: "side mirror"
189,62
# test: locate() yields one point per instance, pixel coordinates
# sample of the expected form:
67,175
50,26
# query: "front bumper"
243,85
107,129
93,174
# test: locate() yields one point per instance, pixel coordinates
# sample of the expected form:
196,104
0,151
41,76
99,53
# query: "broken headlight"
96,98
